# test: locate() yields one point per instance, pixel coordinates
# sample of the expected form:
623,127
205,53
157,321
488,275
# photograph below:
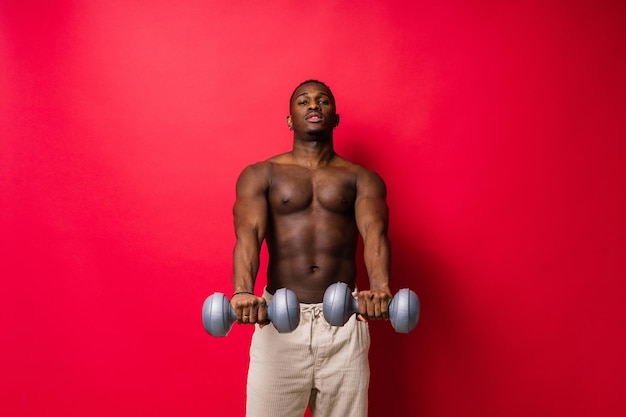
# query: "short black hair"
307,82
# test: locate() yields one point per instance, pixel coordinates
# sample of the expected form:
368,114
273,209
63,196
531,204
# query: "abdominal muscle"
311,255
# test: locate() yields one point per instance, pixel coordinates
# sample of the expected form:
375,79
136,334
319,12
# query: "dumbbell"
283,311
339,305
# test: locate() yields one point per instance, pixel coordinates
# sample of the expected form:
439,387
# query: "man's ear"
337,120
289,122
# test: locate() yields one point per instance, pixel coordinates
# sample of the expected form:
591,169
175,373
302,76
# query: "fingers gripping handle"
339,305
218,316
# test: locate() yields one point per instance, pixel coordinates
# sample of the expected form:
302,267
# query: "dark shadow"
403,366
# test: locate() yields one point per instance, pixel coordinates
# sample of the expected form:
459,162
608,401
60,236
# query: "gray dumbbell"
283,311
339,305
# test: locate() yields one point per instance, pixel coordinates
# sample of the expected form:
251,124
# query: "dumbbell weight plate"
284,310
339,304
216,323
404,311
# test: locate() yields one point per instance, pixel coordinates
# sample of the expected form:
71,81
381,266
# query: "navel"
285,200
314,268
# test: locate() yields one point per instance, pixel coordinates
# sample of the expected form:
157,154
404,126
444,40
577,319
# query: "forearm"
377,257
374,303
249,308
246,261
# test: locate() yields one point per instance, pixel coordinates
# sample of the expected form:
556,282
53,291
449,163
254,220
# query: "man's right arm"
250,217
372,218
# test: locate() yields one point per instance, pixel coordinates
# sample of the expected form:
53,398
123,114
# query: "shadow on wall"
403,367
409,372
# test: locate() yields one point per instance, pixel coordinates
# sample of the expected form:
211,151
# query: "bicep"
371,203
250,209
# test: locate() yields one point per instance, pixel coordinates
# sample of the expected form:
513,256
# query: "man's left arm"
372,219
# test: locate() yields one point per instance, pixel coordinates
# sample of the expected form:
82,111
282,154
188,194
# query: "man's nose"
314,105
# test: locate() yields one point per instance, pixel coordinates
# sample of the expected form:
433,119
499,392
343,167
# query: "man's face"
312,110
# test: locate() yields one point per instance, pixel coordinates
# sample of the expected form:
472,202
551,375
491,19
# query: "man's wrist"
241,292
379,286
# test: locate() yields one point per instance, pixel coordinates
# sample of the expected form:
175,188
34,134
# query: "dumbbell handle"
218,315
339,305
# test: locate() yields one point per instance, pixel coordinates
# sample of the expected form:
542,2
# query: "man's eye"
323,101
303,102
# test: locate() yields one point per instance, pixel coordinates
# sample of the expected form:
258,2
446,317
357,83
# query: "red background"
499,129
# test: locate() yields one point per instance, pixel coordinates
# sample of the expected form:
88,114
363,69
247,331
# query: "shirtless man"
310,205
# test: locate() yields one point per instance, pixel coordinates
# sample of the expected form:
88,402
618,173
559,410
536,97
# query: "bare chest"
295,189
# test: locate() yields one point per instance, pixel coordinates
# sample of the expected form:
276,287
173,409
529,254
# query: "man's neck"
313,154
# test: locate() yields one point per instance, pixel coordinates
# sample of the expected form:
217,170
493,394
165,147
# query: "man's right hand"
250,309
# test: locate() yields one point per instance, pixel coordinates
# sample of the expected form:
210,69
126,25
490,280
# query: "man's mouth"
314,117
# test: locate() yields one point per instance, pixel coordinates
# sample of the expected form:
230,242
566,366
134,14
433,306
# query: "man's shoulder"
269,162
283,158
256,167
255,174
266,168
359,170
367,177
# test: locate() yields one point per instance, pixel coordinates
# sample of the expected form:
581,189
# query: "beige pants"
317,365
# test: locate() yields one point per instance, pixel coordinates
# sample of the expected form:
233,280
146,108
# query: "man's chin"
316,132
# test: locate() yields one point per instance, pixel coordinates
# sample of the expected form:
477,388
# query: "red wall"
498,128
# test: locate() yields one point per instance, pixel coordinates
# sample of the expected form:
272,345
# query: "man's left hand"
374,304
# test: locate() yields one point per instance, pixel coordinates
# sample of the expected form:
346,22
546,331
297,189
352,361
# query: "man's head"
312,109
307,82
